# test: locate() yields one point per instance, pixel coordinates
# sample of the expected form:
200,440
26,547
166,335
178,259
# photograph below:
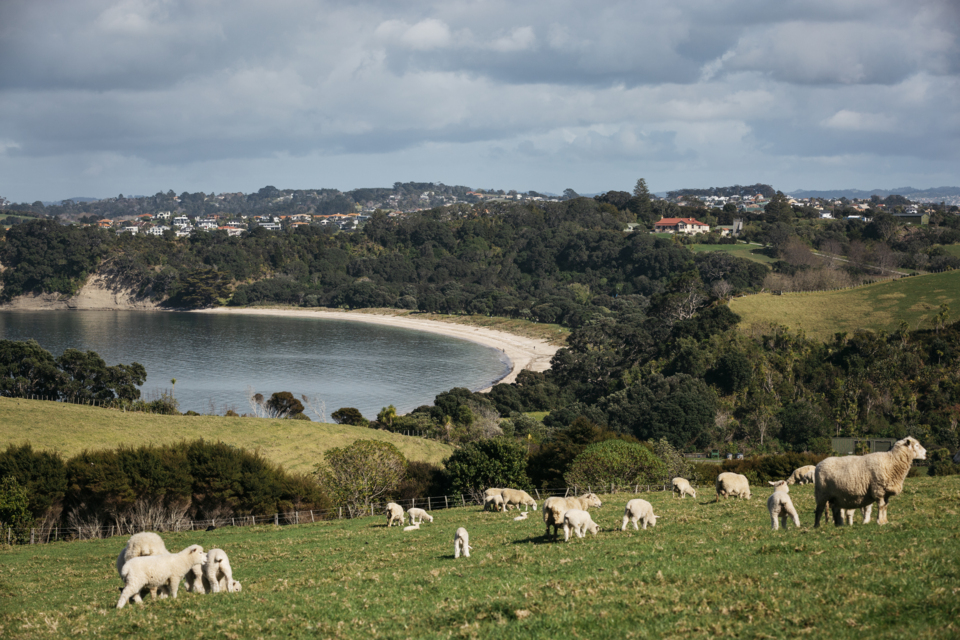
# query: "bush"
349,415
497,462
762,469
362,473
423,479
14,509
615,462
941,463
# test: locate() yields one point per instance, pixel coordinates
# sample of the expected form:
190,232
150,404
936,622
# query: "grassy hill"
877,306
706,570
748,251
297,445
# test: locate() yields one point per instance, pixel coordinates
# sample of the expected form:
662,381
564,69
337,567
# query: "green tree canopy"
362,473
496,462
615,462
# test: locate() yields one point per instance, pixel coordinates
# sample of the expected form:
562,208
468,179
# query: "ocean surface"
218,360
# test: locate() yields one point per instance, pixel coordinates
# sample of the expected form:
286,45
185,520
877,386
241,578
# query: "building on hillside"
913,218
733,230
872,444
690,226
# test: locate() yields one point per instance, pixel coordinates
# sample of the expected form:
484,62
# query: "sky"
102,97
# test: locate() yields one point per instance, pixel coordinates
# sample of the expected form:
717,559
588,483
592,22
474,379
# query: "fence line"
56,533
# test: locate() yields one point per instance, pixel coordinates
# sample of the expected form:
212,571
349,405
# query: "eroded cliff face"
100,292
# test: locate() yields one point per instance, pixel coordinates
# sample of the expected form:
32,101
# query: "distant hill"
60,202
851,194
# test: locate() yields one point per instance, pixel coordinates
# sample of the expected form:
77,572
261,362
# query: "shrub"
349,415
423,479
497,462
615,462
361,473
14,509
941,463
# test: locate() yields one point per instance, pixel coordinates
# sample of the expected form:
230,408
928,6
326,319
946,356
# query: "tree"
641,191
497,462
615,462
778,209
570,194
282,404
14,508
387,415
349,415
361,473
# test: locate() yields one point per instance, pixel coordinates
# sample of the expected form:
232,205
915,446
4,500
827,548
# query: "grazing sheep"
732,484
491,492
682,486
854,482
522,516
217,571
418,515
780,505
394,514
413,527
145,543
847,514
493,503
555,507
152,572
641,510
578,521
517,497
461,543
803,475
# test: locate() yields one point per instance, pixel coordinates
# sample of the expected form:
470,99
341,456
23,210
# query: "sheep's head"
653,521
911,443
781,485
593,528
234,586
197,554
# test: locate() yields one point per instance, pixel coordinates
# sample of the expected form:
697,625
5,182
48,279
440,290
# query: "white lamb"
578,521
493,503
491,492
732,484
555,507
413,527
517,497
153,572
847,514
214,576
682,486
803,475
418,515
522,516
145,543
638,509
854,482
780,505
394,514
461,543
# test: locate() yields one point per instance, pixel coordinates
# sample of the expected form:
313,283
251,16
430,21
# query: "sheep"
418,515
145,543
641,510
732,484
394,514
493,503
413,527
153,572
461,543
847,514
854,482
522,516
682,486
578,521
517,497
214,576
803,475
780,505
492,492
554,508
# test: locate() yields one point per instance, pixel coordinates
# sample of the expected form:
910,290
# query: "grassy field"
748,251
952,249
706,570
297,445
878,306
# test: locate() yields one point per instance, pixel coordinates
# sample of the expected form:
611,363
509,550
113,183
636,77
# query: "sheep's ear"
773,484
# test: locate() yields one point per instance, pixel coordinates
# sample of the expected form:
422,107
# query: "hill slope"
297,445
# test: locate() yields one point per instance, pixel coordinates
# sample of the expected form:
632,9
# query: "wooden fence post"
340,514
462,501
446,505
276,519
311,516
537,491
429,507
32,534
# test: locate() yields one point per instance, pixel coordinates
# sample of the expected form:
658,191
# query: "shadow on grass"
543,538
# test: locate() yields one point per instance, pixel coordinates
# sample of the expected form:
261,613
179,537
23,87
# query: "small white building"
157,230
690,226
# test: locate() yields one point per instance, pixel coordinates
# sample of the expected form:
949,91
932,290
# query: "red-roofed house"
680,225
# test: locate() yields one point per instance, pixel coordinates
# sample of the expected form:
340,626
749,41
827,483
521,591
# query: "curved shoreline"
522,352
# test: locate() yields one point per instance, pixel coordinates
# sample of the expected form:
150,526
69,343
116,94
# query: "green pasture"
296,444
952,249
707,570
748,251
880,306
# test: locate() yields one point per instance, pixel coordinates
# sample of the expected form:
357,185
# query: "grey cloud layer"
656,86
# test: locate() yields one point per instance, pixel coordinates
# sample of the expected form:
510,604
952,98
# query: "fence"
54,533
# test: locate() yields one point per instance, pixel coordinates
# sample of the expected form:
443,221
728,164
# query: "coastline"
522,352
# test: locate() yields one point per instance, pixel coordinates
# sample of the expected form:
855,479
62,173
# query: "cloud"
855,121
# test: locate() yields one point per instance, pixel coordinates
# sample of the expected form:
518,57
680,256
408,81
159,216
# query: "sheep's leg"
174,586
867,511
625,521
128,592
819,513
773,520
882,511
566,532
793,514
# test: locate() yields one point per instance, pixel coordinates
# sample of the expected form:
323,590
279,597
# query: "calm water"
216,358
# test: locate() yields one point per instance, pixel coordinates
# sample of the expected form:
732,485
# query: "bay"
218,358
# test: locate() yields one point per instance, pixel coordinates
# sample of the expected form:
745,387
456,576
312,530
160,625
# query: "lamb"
145,543
394,514
578,521
418,515
461,543
153,572
682,486
780,505
803,475
413,527
555,507
517,497
522,516
641,510
492,492
214,576
732,484
493,503
855,482
847,514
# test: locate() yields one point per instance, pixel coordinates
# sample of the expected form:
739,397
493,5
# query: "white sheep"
854,482
732,484
145,543
638,509
803,475
555,507
394,514
522,516
413,527
682,486
847,514
153,572
578,521
214,576
418,515
780,505
517,497
493,503
492,492
461,543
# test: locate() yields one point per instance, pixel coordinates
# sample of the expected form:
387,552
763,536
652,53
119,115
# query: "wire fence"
94,529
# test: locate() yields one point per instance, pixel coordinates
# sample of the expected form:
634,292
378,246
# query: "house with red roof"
690,226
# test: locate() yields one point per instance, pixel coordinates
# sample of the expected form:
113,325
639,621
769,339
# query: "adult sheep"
517,497
803,475
732,484
682,486
145,543
854,482
555,507
153,572
579,522
492,491
638,509
394,514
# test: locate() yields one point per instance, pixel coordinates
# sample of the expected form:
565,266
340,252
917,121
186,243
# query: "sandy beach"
524,353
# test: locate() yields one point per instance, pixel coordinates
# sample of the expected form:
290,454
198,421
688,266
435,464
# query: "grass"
952,249
297,445
880,306
707,570
748,251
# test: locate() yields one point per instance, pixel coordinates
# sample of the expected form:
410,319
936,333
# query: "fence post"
340,514
32,533
446,505
311,516
429,507
276,519
537,491
232,523
462,501
296,516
